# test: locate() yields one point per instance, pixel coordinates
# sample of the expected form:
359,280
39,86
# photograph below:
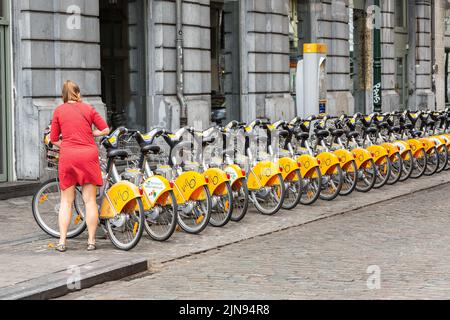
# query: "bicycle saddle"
337,132
370,130
322,133
302,135
352,134
151,148
117,153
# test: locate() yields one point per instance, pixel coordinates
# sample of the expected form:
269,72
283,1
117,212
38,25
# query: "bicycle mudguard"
416,146
362,157
263,174
236,174
378,153
217,179
189,186
391,148
289,167
122,197
327,162
428,143
345,157
438,141
156,190
444,138
403,147
307,166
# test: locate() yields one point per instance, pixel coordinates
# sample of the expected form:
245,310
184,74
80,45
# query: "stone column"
52,41
419,64
390,97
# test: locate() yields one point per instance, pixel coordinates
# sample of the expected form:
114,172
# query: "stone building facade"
234,54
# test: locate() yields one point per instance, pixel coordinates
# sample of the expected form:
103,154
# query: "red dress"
78,162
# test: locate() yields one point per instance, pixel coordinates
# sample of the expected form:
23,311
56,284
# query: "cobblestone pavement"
406,239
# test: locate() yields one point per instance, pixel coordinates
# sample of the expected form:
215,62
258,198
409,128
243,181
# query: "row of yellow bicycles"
160,181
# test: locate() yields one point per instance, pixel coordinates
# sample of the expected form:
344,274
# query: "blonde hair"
71,92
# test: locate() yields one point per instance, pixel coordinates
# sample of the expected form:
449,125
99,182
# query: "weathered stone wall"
48,49
266,60
164,107
438,49
329,25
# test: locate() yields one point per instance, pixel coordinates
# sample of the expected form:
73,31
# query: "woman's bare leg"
90,202
65,212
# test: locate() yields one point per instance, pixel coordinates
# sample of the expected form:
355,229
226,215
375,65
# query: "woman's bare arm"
98,133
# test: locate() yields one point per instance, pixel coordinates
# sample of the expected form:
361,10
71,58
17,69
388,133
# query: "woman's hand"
57,143
98,133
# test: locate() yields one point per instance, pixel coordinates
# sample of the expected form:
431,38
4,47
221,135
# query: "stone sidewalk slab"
26,264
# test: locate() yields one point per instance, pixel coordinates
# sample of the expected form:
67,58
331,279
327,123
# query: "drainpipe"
180,62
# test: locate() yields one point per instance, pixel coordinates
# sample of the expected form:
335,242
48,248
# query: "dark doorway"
123,47
225,61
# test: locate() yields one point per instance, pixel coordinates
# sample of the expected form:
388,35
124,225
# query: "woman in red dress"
79,164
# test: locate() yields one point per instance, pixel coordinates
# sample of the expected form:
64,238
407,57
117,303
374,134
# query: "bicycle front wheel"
125,230
45,207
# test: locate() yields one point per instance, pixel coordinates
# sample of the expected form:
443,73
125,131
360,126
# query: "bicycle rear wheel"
223,209
269,200
443,157
194,215
125,230
332,184
367,175
396,168
383,172
420,164
407,166
432,162
240,202
161,221
311,186
45,207
293,192
350,178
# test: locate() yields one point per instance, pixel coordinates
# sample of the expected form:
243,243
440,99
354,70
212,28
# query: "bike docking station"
311,80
